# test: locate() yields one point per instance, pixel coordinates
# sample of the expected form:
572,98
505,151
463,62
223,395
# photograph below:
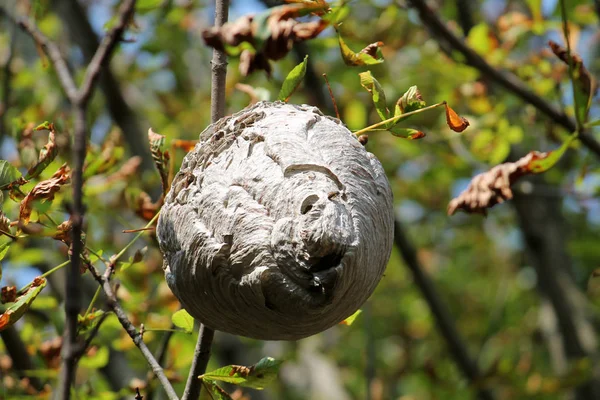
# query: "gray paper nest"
279,224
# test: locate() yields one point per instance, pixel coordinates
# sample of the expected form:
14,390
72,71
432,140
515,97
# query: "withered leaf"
44,191
145,208
47,154
185,145
584,86
455,121
367,56
21,303
494,186
586,80
63,232
266,36
161,158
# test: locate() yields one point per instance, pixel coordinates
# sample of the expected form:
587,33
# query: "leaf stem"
398,118
115,258
45,274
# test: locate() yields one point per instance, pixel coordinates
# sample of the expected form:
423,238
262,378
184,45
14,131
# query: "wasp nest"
278,225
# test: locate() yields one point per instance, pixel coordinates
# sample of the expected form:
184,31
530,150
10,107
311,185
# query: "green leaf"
22,303
257,376
293,80
3,250
368,81
409,101
543,164
406,133
183,320
363,57
591,124
8,174
350,320
216,392
479,38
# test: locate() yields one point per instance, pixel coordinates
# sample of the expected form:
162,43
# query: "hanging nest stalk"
278,225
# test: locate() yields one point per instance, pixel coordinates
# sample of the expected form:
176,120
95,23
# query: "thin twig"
78,99
74,18
337,113
193,385
160,355
507,80
105,49
53,52
443,319
135,335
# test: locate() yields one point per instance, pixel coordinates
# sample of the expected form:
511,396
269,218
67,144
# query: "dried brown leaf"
587,82
44,191
455,121
63,232
271,37
493,187
372,49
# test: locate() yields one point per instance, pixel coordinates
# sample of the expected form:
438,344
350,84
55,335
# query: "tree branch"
113,304
53,52
78,99
81,32
442,317
507,80
104,51
193,385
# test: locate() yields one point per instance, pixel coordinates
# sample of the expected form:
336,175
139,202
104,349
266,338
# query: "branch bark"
193,385
80,30
113,303
78,97
502,78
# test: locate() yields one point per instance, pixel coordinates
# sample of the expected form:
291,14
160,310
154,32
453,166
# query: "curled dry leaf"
4,223
161,158
370,55
411,100
44,191
455,121
63,232
371,49
145,208
585,79
271,35
47,154
493,187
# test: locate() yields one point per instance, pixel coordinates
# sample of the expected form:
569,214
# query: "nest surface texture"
279,224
